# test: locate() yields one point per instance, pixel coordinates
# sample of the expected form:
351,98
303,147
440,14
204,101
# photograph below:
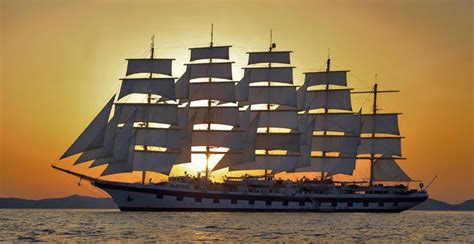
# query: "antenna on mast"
272,45
212,35
152,47
328,63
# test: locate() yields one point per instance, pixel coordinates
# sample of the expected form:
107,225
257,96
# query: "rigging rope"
72,179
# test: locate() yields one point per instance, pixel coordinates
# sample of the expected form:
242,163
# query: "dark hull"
136,197
145,209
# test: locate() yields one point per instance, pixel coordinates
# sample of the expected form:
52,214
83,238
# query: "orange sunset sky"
61,60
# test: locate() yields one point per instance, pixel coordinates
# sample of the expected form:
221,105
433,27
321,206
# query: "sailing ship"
261,122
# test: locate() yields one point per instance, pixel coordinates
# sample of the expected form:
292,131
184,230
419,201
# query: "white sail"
162,162
218,138
244,118
305,147
125,166
380,145
384,123
150,112
277,118
120,147
282,95
248,143
117,168
108,144
101,161
96,154
275,163
337,122
332,165
322,78
93,136
221,70
183,120
159,162
388,170
214,70
182,86
111,133
242,89
157,66
221,91
302,127
282,57
216,115
250,138
89,155
123,139
219,52
158,137
186,143
157,86
333,143
330,99
232,157
301,96
155,161
278,141
273,74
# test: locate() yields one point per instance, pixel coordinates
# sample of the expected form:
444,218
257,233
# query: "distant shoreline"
84,202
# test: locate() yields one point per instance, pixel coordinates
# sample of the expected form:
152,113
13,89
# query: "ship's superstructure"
261,122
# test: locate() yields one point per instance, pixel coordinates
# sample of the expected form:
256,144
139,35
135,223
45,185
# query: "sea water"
112,225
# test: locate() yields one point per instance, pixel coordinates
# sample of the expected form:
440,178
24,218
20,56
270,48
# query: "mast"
209,89
209,108
148,99
374,112
268,104
266,85
345,123
385,119
159,147
326,110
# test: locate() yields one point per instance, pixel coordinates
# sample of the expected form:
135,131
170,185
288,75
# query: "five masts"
261,122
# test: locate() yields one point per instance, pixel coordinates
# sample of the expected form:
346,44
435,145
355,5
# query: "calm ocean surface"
111,225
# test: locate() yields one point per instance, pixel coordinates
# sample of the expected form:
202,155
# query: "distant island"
83,202
435,205
74,201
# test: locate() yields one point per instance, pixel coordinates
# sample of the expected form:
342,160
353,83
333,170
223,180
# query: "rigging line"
186,44
305,60
100,108
240,55
145,52
367,98
73,180
352,74
246,47
95,191
85,187
92,190
178,45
